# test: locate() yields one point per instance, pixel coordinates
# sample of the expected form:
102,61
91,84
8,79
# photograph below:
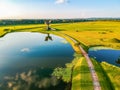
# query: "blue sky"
35,9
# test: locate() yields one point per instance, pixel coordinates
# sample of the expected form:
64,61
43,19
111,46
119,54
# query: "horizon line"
59,18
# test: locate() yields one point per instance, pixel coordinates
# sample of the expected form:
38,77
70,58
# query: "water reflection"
118,61
48,37
27,81
27,61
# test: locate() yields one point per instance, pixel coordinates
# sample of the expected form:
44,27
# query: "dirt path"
96,83
92,70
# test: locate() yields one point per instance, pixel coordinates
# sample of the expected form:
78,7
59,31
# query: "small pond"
105,54
28,59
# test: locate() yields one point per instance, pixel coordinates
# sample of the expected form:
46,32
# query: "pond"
27,60
105,54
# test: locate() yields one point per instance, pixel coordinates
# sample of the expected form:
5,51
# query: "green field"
21,28
98,33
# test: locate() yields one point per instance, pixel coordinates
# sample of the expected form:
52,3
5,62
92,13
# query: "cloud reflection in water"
27,80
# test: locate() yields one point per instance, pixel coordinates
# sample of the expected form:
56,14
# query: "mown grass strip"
82,79
113,72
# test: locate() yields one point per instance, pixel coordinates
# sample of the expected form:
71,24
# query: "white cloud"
25,50
64,41
61,1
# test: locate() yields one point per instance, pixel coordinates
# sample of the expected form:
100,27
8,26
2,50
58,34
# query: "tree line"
42,21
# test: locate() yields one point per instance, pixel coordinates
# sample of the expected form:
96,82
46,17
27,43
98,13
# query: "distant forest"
53,21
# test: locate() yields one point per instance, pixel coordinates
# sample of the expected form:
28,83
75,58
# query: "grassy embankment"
74,46
21,28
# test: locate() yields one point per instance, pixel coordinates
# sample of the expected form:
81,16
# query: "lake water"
107,55
28,59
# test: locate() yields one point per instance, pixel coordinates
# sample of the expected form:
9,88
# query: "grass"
98,33
108,75
66,73
21,28
113,72
81,76
103,79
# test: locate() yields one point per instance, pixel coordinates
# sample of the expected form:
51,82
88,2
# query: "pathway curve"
96,83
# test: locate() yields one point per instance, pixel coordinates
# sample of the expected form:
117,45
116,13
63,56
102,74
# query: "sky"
55,9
